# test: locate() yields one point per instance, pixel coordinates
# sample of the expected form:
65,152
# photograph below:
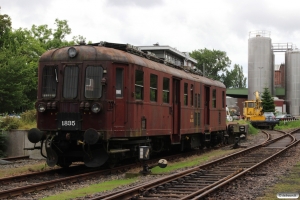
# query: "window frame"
166,90
66,85
214,98
153,87
95,84
119,82
185,94
46,78
136,85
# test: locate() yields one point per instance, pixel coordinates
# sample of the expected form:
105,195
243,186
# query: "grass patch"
110,185
287,125
288,184
41,166
193,161
92,189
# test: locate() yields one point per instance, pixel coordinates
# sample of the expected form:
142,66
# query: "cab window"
93,86
70,87
49,82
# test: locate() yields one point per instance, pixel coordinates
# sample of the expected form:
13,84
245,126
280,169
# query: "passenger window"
139,85
185,94
166,90
153,87
214,99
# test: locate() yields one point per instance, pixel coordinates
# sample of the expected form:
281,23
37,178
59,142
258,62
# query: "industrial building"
282,80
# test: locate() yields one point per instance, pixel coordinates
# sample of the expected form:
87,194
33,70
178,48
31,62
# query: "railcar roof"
93,53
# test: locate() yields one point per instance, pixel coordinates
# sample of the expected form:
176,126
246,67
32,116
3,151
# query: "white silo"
292,81
260,59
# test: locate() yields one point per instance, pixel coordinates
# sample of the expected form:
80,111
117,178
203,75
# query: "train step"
118,150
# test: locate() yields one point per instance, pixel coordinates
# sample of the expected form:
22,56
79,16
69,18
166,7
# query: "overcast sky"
186,25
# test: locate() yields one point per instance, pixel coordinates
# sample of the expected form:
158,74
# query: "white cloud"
187,25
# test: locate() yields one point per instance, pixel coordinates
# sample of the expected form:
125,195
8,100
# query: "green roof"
235,92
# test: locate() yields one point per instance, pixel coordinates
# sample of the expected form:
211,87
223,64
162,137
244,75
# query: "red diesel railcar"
99,103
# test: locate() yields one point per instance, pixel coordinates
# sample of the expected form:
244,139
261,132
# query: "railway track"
15,158
198,182
34,182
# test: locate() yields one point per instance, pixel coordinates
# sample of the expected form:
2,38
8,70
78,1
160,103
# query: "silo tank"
260,68
292,81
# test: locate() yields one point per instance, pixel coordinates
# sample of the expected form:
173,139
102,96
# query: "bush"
29,116
7,123
3,144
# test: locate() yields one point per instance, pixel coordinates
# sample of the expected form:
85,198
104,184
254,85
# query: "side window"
214,99
153,87
49,82
139,85
119,82
93,86
223,99
185,94
166,90
192,95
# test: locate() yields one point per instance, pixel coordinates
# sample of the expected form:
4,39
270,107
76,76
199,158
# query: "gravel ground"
19,163
254,185
248,187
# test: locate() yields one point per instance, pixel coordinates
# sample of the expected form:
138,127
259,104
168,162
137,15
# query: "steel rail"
144,187
49,184
15,158
194,197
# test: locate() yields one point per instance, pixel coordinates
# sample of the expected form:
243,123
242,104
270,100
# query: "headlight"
72,52
41,107
96,107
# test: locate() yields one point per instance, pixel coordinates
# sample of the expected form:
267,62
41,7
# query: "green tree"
19,54
5,28
213,63
234,78
267,101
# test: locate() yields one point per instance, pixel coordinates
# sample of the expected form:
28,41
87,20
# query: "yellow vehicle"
252,110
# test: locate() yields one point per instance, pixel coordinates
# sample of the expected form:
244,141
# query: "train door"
206,105
120,97
176,111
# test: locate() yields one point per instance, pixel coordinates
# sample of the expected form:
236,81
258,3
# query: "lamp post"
260,77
